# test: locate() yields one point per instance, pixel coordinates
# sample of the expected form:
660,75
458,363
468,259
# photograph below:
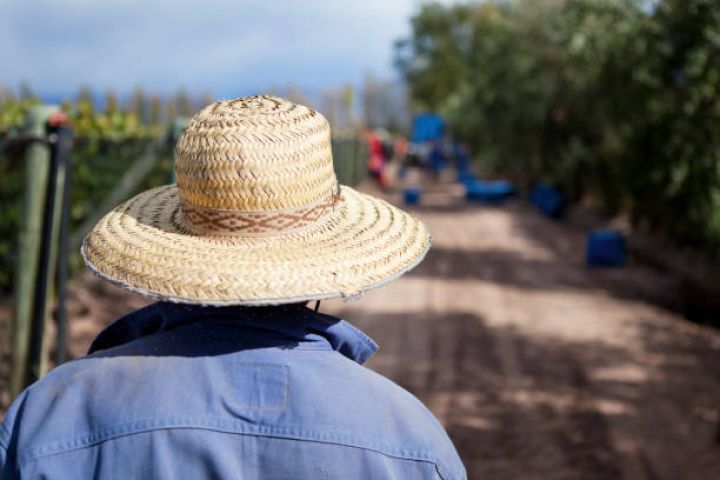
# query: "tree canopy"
615,101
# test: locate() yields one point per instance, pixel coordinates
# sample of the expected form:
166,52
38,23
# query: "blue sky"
224,47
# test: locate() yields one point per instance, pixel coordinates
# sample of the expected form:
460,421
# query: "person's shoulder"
71,398
30,408
377,410
413,422
47,391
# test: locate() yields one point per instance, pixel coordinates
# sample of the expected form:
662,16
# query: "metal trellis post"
37,169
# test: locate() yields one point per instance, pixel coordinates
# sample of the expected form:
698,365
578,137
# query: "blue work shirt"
176,391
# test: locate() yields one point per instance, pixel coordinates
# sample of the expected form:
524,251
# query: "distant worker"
377,160
231,375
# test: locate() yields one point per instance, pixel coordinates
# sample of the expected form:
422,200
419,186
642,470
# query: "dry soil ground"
539,367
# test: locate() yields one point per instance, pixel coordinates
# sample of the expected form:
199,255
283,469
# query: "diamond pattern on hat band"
213,221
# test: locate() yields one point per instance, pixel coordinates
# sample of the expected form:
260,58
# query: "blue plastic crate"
412,196
606,247
483,191
548,200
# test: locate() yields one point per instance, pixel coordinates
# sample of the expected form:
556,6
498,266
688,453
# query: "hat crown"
241,162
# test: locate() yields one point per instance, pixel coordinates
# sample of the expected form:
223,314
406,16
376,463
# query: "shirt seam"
4,433
218,425
428,460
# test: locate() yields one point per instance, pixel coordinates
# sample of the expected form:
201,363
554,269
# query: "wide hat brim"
144,246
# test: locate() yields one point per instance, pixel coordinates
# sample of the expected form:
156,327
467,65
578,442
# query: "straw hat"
256,217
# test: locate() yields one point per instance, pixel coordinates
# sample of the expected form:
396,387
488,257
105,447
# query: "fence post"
62,142
37,169
44,288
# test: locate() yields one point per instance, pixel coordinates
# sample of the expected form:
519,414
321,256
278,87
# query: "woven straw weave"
256,217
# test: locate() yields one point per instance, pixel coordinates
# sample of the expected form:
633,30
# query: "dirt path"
539,367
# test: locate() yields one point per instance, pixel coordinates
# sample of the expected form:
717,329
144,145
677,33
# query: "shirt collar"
291,321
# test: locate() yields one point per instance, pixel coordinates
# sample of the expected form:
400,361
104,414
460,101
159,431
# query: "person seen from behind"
231,374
